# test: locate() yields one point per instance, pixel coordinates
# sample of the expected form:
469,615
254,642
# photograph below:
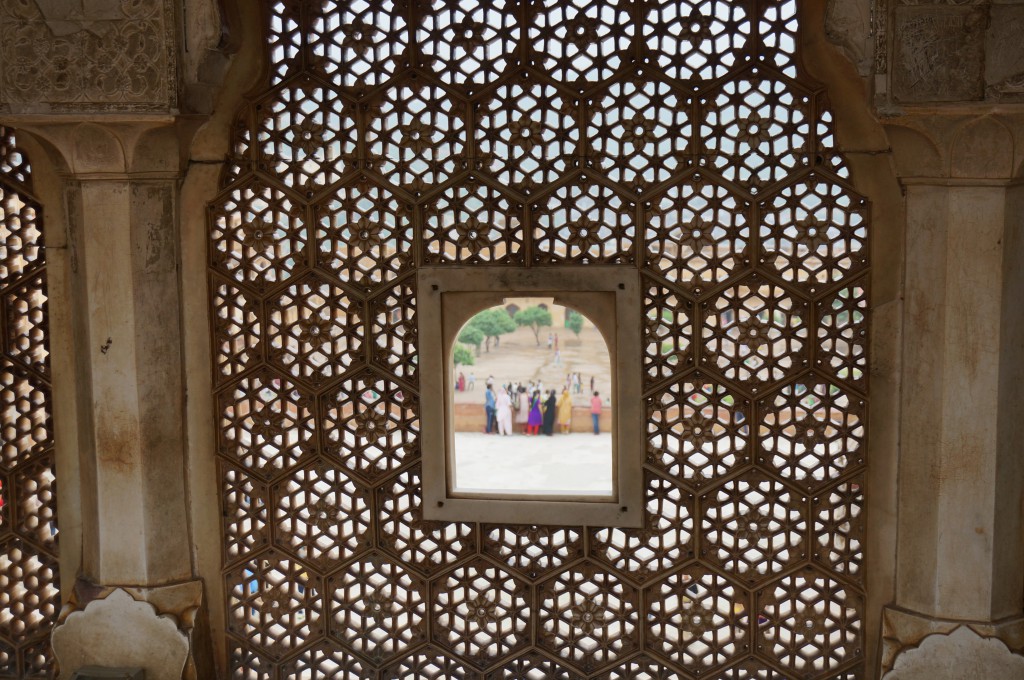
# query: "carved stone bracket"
918,646
160,629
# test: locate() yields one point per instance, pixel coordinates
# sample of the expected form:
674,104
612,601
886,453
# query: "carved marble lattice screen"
29,578
679,138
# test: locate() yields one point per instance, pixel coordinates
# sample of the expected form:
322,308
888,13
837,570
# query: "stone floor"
579,464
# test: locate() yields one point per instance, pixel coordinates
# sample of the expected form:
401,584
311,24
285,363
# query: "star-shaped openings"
527,133
814,233
755,332
695,39
584,222
357,45
468,42
416,136
583,41
315,330
697,234
755,129
640,132
697,431
811,432
364,235
371,424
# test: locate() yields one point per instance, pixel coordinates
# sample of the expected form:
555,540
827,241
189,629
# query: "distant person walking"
472,382
504,412
550,411
565,410
595,411
490,406
591,383
535,418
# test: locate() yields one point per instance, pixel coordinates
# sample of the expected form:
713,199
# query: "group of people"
533,411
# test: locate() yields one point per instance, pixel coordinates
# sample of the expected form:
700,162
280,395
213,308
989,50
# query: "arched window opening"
677,140
30,596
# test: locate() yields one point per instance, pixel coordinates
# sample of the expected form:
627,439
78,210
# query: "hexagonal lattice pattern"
587,616
393,314
531,666
357,44
584,222
306,135
809,622
697,234
21,234
258,235
321,515
838,528
27,325
428,663
695,39
416,136
29,574
533,550
24,415
29,590
325,660
377,608
664,540
266,423
667,332
843,334
14,163
814,233
526,133
371,424
426,545
698,619
640,131
811,432
274,603
777,29
244,509
364,236
581,41
755,332
236,326
473,223
676,140
754,526
315,330
480,612
755,130
468,42
35,491
697,431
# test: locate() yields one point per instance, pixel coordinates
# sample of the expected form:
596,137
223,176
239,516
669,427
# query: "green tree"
492,323
472,335
574,321
533,318
462,355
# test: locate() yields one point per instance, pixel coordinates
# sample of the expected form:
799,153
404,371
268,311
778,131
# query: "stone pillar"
959,596
121,194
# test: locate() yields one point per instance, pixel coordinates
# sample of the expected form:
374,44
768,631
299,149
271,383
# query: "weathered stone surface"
1004,57
104,55
939,53
120,631
960,654
848,26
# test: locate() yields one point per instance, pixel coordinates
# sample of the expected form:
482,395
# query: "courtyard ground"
567,463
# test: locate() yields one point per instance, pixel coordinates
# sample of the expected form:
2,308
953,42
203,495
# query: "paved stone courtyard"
562,463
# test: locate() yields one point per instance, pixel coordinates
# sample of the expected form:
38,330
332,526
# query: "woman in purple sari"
535,420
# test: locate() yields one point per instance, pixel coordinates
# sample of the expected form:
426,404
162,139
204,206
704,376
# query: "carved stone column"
960,571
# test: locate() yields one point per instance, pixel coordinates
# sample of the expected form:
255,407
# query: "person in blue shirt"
490,405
